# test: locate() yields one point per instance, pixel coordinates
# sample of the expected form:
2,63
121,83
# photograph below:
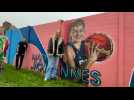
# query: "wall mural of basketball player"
81,54
77,52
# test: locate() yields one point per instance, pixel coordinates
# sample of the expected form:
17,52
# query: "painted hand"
93,54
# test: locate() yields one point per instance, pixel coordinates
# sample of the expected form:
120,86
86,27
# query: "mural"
131,82
38,64
81,54
75,62
30,35
98,51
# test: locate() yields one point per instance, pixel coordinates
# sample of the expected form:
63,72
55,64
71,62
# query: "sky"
22,19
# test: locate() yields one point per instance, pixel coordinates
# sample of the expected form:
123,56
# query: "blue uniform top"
80,55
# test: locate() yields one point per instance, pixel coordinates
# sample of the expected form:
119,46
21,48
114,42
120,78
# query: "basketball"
103,42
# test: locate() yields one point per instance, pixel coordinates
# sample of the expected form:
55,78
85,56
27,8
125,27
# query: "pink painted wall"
27,63
106,23
119,26
45,31
116,70
128,56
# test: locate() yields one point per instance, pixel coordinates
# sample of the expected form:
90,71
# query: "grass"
24,78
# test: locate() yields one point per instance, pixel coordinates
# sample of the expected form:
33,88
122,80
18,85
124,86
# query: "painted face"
77,33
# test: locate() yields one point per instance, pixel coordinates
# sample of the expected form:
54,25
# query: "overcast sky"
22,19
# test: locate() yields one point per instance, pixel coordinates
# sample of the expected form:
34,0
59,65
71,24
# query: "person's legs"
21,60
49,68
37,66
55,67
17,60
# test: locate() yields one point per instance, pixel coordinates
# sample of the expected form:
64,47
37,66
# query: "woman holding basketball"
77,52
82,54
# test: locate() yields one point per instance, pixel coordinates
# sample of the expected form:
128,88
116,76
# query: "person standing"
21,49
55,51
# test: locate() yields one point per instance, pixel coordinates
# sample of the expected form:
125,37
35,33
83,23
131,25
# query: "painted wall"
14,36
128,41
105,23
31,50
43,33
116,70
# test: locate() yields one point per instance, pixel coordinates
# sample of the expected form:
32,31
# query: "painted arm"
60,42
70,57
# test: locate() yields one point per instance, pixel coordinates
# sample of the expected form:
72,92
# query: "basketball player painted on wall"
82,54
77,52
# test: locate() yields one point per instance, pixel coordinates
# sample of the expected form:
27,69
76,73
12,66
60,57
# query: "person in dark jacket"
55,51
21,49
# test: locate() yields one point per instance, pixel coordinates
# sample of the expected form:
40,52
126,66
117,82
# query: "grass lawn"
24,78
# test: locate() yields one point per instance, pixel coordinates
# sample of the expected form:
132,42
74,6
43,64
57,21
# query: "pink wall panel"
27,63
45,31
128,46
108,24
115,70
65,28
120,50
